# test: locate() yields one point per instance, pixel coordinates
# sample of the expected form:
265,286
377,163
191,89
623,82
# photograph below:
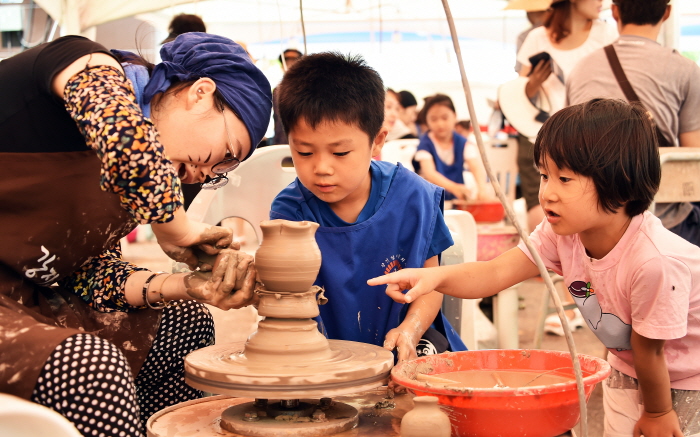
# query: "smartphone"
536,59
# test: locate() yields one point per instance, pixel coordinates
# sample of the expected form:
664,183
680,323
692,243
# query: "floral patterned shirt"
102,102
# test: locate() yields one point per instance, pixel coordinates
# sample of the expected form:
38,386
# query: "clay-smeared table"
201,417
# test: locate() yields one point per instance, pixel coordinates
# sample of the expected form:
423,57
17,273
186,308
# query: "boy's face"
570,202
332,161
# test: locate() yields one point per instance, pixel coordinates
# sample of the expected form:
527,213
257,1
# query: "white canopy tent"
407,41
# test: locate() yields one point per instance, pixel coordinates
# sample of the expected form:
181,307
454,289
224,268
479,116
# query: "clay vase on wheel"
288,258
425,419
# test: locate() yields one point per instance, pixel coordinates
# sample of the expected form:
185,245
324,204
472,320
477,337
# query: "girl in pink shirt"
636,283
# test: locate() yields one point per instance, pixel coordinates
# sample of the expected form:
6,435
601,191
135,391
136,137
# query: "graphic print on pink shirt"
613,332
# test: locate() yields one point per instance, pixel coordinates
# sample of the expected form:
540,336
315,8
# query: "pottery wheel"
352,367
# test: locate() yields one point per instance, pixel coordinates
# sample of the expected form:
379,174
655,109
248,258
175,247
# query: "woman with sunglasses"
93,143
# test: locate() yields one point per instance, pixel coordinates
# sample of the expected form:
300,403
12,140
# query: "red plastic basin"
482,211
535,411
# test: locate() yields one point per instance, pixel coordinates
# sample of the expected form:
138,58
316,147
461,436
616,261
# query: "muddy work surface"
378,416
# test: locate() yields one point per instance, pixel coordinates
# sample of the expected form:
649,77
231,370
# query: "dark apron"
53,218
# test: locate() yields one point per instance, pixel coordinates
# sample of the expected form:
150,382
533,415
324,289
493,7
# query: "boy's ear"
379,141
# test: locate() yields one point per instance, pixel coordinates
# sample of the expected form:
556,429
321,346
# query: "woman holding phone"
571,30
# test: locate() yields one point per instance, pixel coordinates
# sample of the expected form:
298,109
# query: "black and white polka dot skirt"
88,380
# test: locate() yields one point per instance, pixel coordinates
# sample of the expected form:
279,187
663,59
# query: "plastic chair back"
504,163
461,313
251,189
400,151
680,167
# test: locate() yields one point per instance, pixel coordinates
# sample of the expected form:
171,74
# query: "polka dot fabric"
88,380
161,381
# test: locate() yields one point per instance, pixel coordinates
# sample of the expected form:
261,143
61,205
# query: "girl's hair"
438,99
558,20
612,142
395,94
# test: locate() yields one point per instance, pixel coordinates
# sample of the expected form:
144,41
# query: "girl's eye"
563,179
341,153
304,153
544,176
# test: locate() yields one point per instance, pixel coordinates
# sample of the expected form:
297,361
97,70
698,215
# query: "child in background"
464,128
636,283
442,153
375,217
408,113
396,128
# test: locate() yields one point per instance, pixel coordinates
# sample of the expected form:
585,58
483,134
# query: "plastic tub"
533,411
483,211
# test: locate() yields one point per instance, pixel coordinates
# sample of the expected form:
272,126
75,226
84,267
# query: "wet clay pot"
425,419
288,258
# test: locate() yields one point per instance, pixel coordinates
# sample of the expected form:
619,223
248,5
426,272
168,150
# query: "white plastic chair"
21,418
251,189
680,167
463,314
504,163
400,151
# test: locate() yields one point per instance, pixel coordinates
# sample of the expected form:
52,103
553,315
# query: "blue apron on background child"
453,172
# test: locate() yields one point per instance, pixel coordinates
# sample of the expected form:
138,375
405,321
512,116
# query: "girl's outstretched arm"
658,418
466,281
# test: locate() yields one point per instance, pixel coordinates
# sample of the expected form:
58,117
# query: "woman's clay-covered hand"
539,75
206,238
229,285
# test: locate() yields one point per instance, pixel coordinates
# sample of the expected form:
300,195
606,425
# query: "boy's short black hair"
332,87
641,12
612,142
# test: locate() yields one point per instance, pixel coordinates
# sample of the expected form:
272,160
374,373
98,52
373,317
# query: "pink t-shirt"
650,281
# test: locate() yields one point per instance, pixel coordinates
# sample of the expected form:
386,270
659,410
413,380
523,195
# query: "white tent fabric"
76,17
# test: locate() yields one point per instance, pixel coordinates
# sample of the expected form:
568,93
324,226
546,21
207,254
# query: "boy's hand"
404,341
419,281
658,425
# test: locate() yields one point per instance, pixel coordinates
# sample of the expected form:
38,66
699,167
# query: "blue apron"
397,236
454,172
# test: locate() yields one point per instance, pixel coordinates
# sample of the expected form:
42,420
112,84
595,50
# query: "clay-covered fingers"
245,295
215,238
180,254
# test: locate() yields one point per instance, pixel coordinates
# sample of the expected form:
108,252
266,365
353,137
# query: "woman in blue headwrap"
93,143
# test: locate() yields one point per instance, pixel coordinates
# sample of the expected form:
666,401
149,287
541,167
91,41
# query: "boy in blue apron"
375,217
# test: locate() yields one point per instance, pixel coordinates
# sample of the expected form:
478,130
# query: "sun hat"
529,5
520,112
244,87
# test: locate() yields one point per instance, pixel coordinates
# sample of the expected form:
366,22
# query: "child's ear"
378,142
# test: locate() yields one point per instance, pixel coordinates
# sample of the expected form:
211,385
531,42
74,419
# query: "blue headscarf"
244,87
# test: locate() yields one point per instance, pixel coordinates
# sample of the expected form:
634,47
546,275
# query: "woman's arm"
134,165
108,283
466,281
658,419
419,317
